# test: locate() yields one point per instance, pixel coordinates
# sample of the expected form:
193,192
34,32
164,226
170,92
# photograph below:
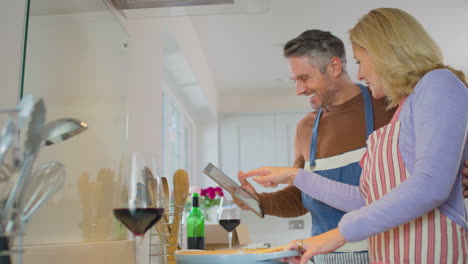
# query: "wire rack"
163,241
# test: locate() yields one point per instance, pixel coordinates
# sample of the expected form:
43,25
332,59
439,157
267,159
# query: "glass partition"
77,61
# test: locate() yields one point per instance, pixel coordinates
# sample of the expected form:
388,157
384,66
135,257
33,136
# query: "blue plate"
246,258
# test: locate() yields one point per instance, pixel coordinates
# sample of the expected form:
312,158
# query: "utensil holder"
160,235
10,254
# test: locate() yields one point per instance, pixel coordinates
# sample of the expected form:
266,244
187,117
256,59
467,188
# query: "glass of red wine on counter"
229,216
139,200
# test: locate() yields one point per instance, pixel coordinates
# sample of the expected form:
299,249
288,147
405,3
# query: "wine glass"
229,216
139,203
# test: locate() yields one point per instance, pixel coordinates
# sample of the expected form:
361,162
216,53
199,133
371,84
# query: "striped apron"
343,168
431,238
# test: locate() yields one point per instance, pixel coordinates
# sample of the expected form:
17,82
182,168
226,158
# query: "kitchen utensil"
22,111
165,186
184,257
61,129
9,156
6,139
53,132
151,184
142,196
25,108
154,188
181,191
15,199
10,214
163,227
45,182
9,139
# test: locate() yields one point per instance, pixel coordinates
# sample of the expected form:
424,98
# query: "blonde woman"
409,204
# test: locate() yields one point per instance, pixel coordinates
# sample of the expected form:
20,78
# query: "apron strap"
313,142
369,115
368,110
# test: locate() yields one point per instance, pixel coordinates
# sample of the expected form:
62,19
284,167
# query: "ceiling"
244,51
243,43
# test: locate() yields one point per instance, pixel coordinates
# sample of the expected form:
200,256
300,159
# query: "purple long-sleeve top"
433,145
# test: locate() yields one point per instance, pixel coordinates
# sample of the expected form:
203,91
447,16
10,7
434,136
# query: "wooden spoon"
153,185
165,185
181,190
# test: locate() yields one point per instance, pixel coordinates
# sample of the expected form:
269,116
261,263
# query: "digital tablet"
234,189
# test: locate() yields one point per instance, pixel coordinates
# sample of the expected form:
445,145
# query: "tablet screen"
233,188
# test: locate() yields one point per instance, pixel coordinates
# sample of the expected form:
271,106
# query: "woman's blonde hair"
400,49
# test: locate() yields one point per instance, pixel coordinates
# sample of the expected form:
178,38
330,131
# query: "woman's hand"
271,176
316,245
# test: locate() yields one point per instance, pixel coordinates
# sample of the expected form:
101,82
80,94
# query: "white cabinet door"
285,129
229,136
251,141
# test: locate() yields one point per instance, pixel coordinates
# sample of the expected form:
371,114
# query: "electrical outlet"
296,224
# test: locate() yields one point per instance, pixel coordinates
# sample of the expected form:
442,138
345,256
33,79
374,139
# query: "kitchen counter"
115,252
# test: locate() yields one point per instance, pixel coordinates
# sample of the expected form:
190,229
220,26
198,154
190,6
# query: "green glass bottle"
195,226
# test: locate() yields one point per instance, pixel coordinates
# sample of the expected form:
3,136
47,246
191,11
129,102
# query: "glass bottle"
195,226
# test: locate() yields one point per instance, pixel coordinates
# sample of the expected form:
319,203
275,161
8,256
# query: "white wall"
145,95
204,111
187,39
146,47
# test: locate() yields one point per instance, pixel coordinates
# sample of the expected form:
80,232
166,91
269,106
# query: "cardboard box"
216,237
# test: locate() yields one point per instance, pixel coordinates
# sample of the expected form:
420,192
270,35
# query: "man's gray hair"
319,46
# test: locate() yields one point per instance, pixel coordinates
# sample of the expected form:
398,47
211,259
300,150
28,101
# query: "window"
177,137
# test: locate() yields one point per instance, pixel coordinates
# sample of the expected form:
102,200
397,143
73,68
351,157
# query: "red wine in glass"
229,224
139,200
139,220
229,216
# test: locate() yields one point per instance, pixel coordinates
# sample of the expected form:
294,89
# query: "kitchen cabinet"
249,141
